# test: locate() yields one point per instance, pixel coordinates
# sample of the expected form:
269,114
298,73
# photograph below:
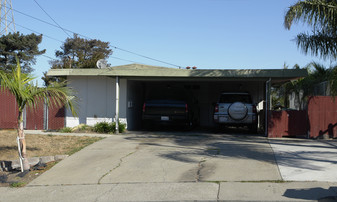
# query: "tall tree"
77,52
321,16
24,46
29,95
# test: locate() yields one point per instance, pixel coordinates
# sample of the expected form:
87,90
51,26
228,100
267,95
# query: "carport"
120,91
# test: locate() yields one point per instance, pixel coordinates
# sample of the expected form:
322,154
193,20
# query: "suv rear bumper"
225,119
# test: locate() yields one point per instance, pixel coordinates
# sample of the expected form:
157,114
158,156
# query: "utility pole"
6,17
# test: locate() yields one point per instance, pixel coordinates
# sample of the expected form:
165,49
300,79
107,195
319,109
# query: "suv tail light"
144,107
254,109
186,108
216,108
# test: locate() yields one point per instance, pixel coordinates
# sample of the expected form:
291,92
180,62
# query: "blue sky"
209,34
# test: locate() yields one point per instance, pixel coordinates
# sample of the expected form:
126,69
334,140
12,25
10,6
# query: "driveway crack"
200,166
119,164
218,195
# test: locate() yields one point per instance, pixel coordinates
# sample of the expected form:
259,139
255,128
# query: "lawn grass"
42,145
37,146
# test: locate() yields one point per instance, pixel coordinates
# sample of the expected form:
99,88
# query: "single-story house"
120,91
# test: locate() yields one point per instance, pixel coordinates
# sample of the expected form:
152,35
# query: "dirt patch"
19,179
37,146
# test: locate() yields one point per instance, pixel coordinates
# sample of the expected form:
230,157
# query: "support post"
117,105
45,114
268,106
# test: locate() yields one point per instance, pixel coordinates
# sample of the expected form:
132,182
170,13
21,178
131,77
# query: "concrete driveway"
305,159
161,166
167,157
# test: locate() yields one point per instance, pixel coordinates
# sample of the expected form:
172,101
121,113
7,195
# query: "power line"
38,32
118,58
36,18
146,57
48,57
62,42
51,18
115,47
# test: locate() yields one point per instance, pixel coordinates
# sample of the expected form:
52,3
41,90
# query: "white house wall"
97,100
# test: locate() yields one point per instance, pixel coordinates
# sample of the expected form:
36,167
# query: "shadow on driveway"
306,160
239,146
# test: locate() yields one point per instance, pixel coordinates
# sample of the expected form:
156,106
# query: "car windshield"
230,98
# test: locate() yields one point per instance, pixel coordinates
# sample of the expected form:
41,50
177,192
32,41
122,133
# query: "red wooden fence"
34,117
8,110
288,123
322,114
318,120
56,118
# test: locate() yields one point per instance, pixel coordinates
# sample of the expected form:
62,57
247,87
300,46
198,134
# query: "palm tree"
321,15
28,95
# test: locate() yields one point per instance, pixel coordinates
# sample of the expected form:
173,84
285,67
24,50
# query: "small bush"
104,127
121,127
66,130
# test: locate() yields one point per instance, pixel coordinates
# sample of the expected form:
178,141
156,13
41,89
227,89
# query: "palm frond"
57,95
317,13
318,44
30,95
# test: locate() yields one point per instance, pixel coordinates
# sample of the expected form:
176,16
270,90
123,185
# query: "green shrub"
102,127
112,128
66,130
121,127
105,127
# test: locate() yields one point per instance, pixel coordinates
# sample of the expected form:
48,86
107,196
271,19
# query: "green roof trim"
138,70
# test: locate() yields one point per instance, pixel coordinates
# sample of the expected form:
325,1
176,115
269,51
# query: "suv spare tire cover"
237,111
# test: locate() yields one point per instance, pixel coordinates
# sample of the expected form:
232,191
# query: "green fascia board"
136,70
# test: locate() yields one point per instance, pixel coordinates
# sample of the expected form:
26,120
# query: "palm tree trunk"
22,147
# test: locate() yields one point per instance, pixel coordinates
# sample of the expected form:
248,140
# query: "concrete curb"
176,191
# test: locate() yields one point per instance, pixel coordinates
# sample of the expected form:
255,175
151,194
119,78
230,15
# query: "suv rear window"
230,98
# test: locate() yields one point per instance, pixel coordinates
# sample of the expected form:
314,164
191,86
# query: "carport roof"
139,70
